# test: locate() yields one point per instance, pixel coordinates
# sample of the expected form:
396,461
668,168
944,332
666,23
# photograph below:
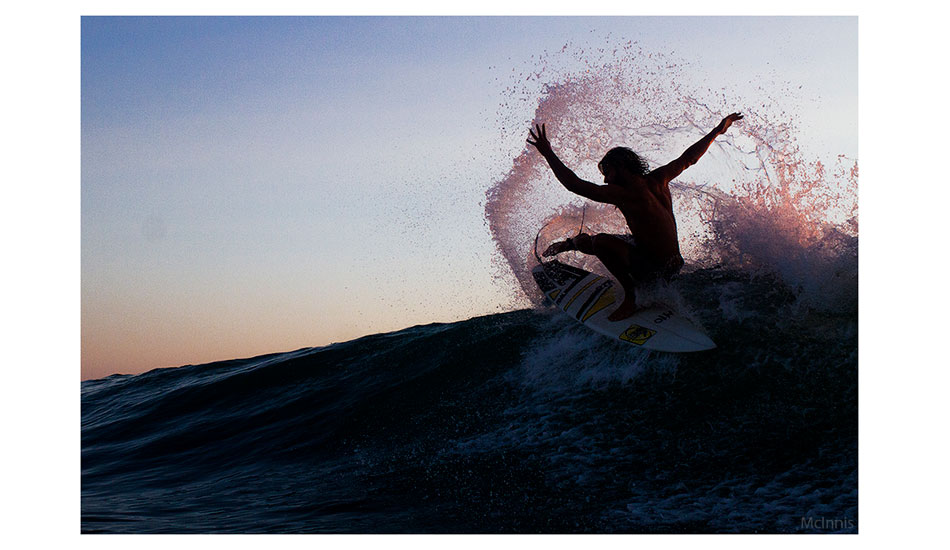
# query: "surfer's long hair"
624,157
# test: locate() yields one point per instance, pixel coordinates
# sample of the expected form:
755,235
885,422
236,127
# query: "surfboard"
590,298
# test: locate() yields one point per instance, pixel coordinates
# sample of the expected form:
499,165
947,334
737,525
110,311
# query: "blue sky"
252,185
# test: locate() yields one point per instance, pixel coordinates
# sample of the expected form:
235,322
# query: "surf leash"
536,237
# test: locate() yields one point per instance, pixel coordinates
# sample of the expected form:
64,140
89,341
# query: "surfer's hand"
727,122
540,137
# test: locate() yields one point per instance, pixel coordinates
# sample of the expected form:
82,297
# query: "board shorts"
644,267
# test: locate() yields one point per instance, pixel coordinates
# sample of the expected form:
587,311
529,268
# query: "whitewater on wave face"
753,202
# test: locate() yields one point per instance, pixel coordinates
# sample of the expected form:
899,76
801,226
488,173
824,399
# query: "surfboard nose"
702,342
682,343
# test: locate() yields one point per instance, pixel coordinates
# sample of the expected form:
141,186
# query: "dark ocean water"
520,422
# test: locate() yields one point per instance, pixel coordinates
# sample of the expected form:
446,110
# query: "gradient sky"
256,185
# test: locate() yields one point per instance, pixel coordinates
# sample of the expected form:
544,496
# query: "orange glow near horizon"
134,333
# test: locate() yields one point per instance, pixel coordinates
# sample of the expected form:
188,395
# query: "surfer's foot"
626,309
559,247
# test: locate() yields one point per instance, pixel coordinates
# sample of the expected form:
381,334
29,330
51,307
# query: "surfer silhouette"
651,250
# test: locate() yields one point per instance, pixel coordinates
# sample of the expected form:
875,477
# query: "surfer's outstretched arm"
692,155
567,177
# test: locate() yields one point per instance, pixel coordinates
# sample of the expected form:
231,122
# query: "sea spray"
753,202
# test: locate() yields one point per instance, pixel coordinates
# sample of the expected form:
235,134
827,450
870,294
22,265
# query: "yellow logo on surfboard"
637,335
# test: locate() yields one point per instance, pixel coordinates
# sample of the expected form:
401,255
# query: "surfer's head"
622,158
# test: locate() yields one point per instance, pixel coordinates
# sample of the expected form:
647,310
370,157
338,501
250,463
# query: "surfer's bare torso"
648,210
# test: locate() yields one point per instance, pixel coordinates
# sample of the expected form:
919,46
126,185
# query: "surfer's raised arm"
567,177
695,151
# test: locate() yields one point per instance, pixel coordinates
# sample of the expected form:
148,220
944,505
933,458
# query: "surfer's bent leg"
616,256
